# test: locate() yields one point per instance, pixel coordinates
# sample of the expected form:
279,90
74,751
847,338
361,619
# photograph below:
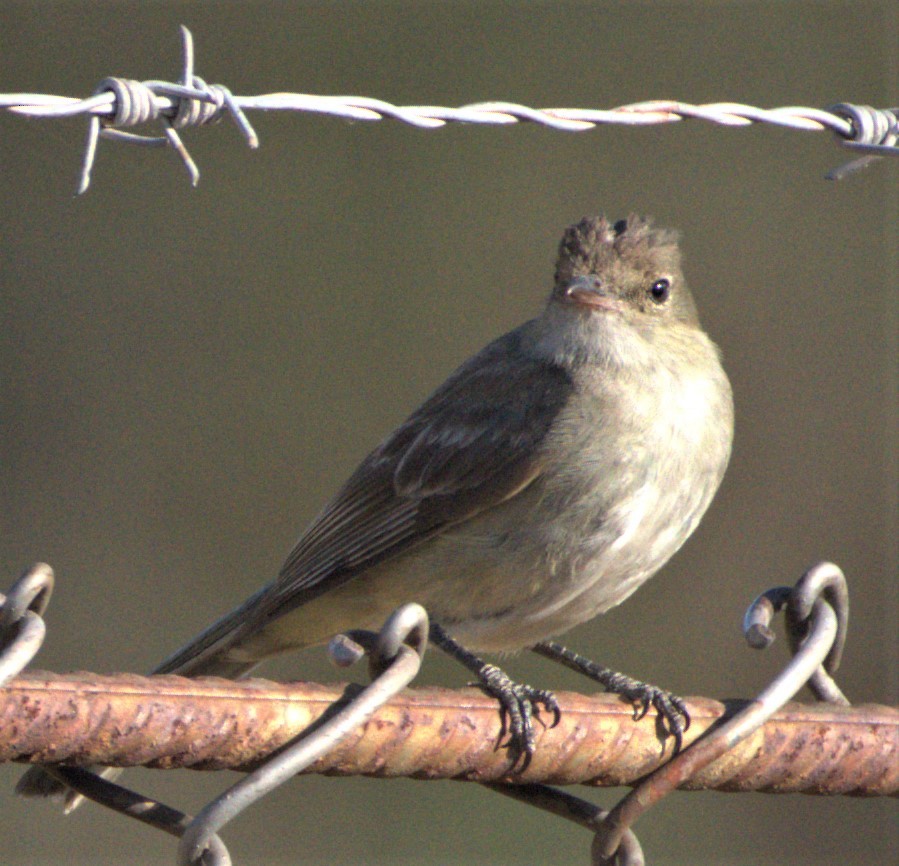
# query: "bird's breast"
632,471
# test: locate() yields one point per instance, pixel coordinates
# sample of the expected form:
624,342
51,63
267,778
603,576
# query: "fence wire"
121,102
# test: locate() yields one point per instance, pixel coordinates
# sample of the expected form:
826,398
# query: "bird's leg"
670,708
519,702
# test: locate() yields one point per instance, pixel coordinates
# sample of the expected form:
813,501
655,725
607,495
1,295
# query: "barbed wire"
121,102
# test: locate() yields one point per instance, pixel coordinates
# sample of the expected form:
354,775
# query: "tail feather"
207,654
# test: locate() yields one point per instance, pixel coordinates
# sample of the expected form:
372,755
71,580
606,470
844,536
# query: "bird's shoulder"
493,412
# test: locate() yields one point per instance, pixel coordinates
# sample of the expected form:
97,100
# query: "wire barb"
193,102
190,103
874,132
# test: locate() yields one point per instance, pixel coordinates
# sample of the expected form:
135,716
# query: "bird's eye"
660,290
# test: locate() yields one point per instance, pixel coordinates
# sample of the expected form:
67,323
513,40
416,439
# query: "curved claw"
671,709
520,704
641,703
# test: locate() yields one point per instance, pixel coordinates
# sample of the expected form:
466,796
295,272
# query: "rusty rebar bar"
165,722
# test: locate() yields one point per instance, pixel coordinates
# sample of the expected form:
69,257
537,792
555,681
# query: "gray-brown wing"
474,443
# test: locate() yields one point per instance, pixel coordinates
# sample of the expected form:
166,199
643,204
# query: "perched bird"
540,485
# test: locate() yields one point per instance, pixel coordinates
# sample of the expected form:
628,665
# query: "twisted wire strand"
168,96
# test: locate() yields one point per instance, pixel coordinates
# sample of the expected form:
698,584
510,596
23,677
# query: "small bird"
540,485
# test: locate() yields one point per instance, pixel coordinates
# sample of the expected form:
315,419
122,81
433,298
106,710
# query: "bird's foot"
673,716
520,705
671,709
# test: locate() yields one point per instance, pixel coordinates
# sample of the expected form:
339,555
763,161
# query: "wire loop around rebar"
191,102
817,633
397,651
822,583
22,627
396,664
816,616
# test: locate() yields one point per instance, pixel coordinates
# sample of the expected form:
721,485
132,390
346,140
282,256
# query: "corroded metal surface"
210,723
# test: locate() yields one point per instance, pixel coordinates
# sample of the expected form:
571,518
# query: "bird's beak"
588,291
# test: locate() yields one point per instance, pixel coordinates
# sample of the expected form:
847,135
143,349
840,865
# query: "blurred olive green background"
187,374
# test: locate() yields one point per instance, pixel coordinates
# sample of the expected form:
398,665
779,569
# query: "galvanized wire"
22,628
397,664
119,102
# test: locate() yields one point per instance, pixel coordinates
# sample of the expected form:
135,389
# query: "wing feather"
474,443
